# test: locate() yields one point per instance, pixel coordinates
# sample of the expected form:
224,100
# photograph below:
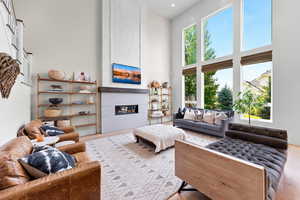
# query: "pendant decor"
9,70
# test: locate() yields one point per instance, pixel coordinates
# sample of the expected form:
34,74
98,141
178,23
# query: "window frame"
272,89
183,47
242,14
236,56
203,20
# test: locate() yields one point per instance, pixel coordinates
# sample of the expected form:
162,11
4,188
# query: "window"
218,35
257,23
190,45
218,89
257,78
190,87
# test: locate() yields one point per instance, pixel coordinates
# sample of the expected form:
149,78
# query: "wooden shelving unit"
164,103
68,105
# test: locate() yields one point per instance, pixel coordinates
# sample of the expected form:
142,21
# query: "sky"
257,33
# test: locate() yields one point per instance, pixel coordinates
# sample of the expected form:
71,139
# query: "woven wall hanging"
9,70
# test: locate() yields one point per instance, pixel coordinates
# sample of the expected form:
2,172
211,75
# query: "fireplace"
126,109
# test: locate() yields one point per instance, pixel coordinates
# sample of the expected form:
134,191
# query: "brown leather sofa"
81,182
33,128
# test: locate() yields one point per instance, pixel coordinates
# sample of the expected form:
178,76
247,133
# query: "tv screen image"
126,74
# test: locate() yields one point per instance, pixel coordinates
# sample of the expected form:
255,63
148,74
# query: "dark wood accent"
20,20
189,71
217,66
257,58
122,90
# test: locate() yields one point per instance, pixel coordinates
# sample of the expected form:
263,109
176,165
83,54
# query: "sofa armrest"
82,182
68,137
224,125
69,129
73,148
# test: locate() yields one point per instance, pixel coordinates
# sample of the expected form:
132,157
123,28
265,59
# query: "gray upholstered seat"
273,160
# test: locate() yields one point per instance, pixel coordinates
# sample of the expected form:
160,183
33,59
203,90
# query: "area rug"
132,171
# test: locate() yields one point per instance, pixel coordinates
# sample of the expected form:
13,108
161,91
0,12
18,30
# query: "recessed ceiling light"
173,5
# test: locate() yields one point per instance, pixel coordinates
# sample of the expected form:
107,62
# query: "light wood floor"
289,187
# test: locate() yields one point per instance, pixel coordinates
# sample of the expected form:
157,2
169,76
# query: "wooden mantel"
122,90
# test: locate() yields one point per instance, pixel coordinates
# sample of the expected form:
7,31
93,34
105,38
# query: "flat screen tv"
126,74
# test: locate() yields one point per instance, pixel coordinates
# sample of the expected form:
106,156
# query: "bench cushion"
271,159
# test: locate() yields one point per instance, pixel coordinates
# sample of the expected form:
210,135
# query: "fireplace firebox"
126,109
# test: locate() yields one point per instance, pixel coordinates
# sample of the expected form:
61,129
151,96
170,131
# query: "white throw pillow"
209,117
189,115
219,117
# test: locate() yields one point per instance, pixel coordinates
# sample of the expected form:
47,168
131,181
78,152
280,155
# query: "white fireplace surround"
110,97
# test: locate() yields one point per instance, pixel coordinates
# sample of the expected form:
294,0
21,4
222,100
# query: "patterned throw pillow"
219,116
209,117
199,115
52,130
47,160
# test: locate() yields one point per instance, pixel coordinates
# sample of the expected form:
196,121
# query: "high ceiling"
165,8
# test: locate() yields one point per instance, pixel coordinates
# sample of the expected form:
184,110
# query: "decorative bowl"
165,85
50,112
56,101
56,74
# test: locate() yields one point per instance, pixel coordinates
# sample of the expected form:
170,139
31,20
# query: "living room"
147,99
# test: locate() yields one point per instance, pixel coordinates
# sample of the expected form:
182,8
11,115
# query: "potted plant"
247,102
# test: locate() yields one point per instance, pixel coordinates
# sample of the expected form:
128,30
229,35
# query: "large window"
190,87
218,35
219,58
257,23
218,89
190,45
257,78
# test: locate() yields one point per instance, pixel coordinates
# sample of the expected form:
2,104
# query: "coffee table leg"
137,139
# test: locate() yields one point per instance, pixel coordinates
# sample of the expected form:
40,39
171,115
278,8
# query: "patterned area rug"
132,171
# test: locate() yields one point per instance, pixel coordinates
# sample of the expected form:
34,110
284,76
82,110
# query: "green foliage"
225,99
190,85
210,86
190,48
248,103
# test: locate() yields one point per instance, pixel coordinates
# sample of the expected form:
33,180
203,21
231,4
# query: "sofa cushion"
256,138
219,116
11,172
208,126
270,158
209,117
189,115
276,133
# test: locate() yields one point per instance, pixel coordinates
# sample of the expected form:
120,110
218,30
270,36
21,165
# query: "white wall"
143,38
15,110
286,82
156,47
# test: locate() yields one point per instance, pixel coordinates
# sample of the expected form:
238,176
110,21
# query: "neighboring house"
257,85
